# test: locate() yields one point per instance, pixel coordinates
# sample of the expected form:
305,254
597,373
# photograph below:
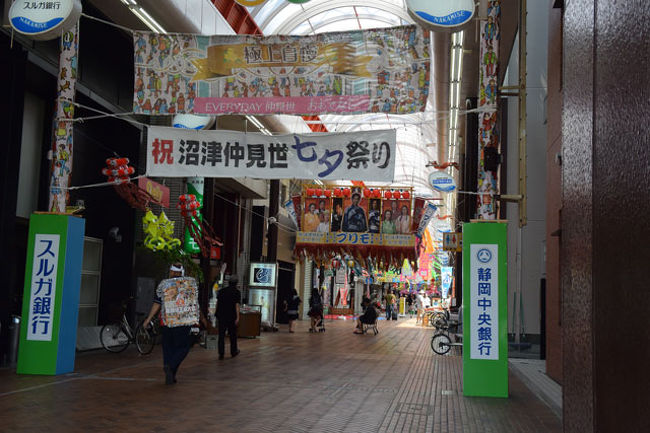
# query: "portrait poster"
404,220
374,215
383,70
180,301
418,208
317,214
337,214
355,213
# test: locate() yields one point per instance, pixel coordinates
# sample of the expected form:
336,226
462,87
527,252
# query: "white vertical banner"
484,301
43,287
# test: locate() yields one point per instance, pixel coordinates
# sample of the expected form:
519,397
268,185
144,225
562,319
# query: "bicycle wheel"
113,338
144,339
439,320
440,344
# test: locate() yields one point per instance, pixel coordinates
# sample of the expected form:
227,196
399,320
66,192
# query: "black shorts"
293,316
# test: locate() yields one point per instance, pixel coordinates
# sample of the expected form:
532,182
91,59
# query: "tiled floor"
302,382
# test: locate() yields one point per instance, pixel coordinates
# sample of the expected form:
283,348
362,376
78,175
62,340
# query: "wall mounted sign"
441,15
44,20
441,181
367,155
263,275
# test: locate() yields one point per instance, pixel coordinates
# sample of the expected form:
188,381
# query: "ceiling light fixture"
144,16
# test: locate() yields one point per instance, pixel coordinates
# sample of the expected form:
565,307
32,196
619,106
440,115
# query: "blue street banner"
365,156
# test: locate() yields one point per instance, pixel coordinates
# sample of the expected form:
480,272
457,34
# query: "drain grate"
414,409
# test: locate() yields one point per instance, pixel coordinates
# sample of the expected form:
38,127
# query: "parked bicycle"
448,332
116,337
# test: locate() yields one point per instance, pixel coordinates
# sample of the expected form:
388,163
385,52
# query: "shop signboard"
48,336
263,275
340,73
195,186
446,277
441,15
44,20
359,239
452,241
364,155
159,192
441,181
485,358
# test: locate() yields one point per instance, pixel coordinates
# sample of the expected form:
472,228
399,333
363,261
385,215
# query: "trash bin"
14,337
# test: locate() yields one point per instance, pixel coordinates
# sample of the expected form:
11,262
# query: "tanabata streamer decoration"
118,172
200,230
159,232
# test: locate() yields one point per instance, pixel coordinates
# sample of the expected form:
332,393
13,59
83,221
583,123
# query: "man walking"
177,299
228,300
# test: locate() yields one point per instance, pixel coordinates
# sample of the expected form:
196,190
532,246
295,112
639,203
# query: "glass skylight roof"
416,133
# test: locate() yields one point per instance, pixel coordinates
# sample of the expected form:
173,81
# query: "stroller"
320,320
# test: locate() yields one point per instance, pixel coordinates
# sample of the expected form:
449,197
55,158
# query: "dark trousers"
176,346
232,333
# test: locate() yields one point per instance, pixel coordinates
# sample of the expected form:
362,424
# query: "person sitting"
315,309
369,316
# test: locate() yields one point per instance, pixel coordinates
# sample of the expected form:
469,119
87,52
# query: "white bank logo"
441,14
484,255
44,20
441,181
263,275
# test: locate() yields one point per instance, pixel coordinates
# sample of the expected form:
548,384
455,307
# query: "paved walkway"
302,382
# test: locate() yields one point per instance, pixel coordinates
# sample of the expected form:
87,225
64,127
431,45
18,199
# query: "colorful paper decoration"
159,232
200,230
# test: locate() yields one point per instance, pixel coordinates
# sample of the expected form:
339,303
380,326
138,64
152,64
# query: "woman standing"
291,307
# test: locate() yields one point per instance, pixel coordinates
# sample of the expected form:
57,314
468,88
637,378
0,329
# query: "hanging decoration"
488,135
61,167
358,222
257,75
200,231
118,172
159,232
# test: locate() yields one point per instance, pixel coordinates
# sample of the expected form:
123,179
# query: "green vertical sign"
485,310
194,186
48,332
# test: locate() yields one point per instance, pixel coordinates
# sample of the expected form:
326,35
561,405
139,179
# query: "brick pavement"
332,382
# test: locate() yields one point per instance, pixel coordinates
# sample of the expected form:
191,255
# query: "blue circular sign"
484,255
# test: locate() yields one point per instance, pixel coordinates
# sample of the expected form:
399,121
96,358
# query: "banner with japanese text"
379,70
485,310
366,156
48,333
360,239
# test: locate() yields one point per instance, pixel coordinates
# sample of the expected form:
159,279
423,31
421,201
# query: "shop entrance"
286,279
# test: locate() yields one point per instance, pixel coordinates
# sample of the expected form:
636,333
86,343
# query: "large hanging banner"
379,70
366,156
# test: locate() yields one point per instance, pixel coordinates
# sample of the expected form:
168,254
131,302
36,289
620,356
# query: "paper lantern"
406,194
347,192
366,192
319,192
328,193
310,191
388,195
337,192
376,193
